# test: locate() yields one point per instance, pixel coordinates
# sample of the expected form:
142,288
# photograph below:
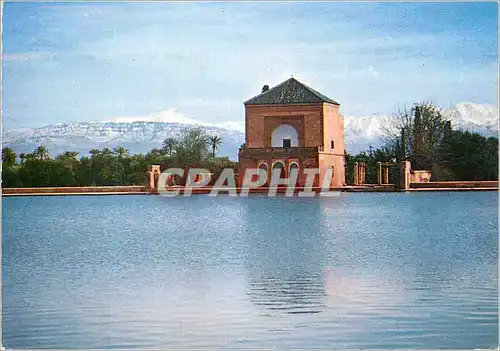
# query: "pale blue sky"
98,61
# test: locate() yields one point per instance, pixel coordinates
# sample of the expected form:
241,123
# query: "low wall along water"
84,190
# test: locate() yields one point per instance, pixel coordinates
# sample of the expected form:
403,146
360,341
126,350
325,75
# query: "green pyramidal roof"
290,91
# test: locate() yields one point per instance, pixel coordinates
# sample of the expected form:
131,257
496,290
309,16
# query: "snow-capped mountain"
477,117
361,132
143,133
172,116
137,134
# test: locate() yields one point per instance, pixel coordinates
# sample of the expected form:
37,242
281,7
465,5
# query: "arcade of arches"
285,170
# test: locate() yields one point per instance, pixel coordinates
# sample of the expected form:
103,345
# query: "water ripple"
359,271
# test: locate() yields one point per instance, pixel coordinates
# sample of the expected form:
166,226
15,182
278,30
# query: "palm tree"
68,155
107,151
120,165
95,166
154,156
121,152
154,153
69,159
94,152
169,145
41,153
8,156
215,142
192,147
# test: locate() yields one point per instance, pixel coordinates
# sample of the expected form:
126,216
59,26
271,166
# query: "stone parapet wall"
456,184
420,176
76,190
267,152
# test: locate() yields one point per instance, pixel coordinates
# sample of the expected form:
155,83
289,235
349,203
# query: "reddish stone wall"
457,184
243,164
316,125
420,176
333,125
76,190
261,120
337,162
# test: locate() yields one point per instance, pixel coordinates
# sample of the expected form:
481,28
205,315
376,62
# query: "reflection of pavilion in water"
295,295
285,260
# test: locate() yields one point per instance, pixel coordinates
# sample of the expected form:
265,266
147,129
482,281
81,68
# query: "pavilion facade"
293,126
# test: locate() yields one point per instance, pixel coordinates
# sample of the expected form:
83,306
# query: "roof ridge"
315,92
269,90
289,96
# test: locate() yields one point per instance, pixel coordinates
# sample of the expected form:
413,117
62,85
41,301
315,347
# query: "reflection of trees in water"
285,255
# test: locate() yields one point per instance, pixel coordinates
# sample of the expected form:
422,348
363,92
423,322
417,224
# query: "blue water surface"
370,270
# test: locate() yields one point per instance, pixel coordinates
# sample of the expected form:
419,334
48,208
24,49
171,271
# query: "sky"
65,62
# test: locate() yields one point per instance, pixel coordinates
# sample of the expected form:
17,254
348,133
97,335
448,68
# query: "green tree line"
193,147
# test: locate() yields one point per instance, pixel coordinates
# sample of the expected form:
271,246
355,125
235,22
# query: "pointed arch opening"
293,166
263,167
281,166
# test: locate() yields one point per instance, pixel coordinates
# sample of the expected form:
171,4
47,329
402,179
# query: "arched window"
292,166
281,166
284,136
263,167
293,172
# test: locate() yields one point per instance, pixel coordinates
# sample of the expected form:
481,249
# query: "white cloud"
25,56
373,71
206,59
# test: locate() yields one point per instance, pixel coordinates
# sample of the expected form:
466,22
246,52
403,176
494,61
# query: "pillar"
361,173
152,184
363,180
156,176
363,167
346,172
356,178
153,174
404,182
386,173
379,172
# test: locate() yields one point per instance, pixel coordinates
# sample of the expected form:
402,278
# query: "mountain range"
143,133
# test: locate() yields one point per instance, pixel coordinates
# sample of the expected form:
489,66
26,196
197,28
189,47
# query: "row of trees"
423,135
420,134
192,147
